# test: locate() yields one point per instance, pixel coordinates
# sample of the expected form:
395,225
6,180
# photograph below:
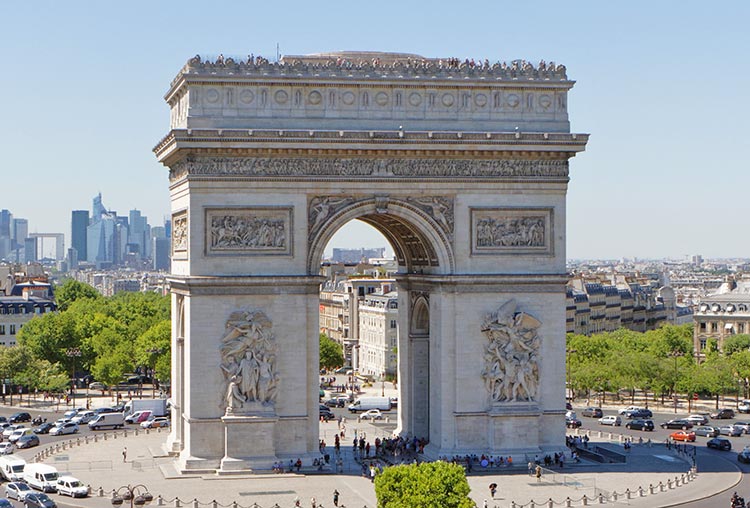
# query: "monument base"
248,443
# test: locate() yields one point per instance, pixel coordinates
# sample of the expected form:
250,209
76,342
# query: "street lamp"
675,354
138,495
382,384
73,353
569,352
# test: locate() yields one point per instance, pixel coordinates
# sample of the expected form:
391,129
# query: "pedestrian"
124,454
493,489
313,503
485,505
538,473
335,498
531,468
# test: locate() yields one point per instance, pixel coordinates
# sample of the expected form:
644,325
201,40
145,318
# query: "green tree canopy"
427,485
72,290
331,355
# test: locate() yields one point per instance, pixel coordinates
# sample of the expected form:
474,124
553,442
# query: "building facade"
722,315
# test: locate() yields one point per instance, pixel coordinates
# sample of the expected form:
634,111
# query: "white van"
41,477
73,487
104,420
11,467
365,403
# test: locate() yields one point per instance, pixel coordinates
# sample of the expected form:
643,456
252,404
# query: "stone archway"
268,160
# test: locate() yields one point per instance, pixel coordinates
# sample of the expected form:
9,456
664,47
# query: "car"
326,413
723,414
730,430
639,413
27,441
592,412
646,425
83,417
139,416
682,435
677,424
44,428
17,490
573,423
629,409
158,422
38,500
745,426
610,420
744,406
697,419
707,431
10,429
744,456
342,370
96,385
6,448
4,503
70,486
372,414
336,402
20,417
568,406
720,443
65,428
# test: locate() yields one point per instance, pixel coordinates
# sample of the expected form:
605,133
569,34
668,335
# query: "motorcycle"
38,420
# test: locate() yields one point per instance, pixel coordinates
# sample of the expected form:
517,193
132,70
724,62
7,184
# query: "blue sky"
661,86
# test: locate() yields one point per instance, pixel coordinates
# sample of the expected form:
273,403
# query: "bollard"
585,500
532,504
662,487
214,504
100,492
614,496
550,503
640,491
105,436
650,488
234,504
628,494
177,502
159,500
512,504
114,435
135,432
669,484
387,419
195,503
567,502
601,498
96,438
147,431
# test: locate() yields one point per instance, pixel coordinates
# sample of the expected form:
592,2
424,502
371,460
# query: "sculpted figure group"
511,372
248,356
511,232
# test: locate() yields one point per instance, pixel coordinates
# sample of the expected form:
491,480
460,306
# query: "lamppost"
154,351
73,353
382,384
568,352
675,354
138,495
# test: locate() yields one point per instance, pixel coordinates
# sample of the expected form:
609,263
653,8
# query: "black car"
639,413
335,403
720,443
19,417
38,500
101,410
573,423
44,428
744,456
27,441
647,425
677,424
723,414
592,412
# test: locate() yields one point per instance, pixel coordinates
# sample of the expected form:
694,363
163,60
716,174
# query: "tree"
153,349
331,356
427,485
72,290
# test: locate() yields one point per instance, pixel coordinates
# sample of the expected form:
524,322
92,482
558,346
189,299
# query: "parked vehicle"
682,435
155,423
73,487
96,385
20,417
41,476
38,500
592,412
28,441
17,490
6,448
366,403
646,425
639,413
677,424
157,407
744,406
11,468
697,419
720,443
44,428
65,428
611,420
111,420
629,409
745,426
730,430
707,431
723,414
372,414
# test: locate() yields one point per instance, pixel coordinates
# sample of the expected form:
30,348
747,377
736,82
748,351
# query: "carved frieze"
248,230
180,233
511,356
440,208
370,167
511,230
248,363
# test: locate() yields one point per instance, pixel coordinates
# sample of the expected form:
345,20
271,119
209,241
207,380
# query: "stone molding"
244,285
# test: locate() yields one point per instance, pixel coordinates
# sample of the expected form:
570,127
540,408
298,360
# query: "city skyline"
660,91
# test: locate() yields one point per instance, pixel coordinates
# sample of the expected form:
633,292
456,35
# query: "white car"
697,419
610,420
629,408
83,417
65,428
11,428
744,406
372,414
159,421
73,487
17,490
6,448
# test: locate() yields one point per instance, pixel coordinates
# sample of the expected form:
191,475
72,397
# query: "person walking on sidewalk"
335,497
125,454
538,473
493,489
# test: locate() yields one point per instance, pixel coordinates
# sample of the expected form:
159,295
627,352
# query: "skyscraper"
78,224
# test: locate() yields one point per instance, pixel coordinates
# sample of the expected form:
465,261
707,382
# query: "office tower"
30,247
78,224
161,254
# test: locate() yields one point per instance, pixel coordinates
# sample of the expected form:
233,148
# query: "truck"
158,407
41,477
11,467
365,403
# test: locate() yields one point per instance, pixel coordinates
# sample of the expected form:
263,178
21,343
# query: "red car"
683,436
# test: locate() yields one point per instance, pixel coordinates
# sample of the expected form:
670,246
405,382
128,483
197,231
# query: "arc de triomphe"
463,168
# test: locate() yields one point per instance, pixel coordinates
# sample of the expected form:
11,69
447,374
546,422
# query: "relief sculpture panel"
180,234
511,230
252,230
